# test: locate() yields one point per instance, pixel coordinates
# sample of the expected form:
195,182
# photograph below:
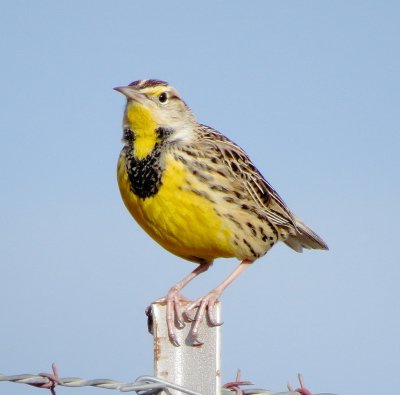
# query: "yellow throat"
141,121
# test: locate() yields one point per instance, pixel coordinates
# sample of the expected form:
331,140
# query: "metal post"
194,367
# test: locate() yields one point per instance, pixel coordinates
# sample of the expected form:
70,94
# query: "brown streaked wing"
242,168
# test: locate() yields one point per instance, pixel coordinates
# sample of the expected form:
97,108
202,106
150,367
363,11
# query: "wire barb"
235,385
53,380
302,390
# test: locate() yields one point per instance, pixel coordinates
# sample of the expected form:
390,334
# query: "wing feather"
261,192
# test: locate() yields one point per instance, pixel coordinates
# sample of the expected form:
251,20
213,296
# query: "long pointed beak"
131,93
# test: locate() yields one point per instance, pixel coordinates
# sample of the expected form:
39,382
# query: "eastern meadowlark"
197,194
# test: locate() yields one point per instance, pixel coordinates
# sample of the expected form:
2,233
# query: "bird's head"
154,111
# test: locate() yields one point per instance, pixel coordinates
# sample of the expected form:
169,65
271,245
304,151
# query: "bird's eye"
163,97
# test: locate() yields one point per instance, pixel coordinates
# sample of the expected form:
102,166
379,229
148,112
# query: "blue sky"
309,89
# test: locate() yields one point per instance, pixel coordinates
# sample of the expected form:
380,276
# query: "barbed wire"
143,385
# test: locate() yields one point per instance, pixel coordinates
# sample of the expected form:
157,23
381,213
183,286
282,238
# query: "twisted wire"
143,385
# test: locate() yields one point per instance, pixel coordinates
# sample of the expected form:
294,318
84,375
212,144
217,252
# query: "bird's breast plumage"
179,215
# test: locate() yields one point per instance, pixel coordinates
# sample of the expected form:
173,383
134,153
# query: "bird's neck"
140,120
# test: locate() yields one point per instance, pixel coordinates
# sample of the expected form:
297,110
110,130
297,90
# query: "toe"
211,316
180,322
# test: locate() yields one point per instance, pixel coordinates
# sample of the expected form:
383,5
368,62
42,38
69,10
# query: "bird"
198,195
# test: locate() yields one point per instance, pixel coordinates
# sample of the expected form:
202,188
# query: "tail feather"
305,238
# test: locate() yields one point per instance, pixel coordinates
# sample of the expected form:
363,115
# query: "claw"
188,317
175,317
170,324
173,339
211,317
196,342
205,307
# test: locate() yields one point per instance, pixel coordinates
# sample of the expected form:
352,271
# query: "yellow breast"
182,221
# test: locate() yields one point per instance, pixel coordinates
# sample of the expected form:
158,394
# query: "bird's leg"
208,302
173,299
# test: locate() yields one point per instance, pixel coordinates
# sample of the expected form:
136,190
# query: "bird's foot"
174,302
180,310
205,307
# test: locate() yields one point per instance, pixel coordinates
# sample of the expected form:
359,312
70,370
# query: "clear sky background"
310,89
